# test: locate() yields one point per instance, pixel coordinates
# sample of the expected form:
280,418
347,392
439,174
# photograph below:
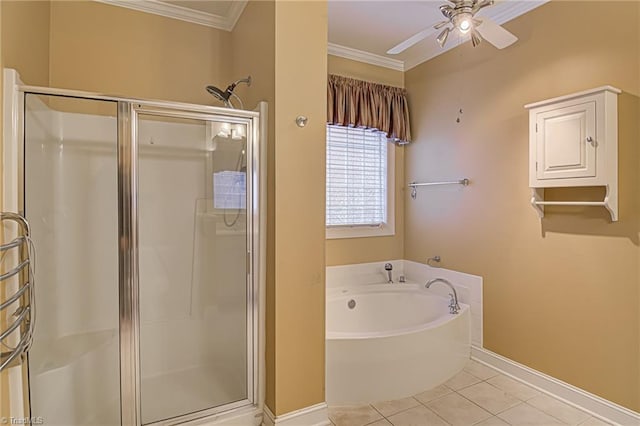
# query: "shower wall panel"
70,200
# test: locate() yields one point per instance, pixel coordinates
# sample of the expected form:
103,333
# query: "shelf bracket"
611,201
537,194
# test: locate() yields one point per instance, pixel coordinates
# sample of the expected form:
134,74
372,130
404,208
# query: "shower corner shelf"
573,142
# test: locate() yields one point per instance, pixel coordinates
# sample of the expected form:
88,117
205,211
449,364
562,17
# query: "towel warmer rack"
20,278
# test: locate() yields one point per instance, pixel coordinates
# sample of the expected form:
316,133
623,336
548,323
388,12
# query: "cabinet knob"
589,139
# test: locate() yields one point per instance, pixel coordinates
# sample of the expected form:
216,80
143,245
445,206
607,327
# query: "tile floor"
478,395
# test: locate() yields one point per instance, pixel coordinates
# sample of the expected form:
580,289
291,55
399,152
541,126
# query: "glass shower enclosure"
145,217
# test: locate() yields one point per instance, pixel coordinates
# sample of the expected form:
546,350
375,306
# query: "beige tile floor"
478,395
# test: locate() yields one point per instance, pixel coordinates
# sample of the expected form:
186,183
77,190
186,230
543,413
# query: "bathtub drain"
351,304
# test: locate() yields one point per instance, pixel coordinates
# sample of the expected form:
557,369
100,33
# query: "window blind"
356,177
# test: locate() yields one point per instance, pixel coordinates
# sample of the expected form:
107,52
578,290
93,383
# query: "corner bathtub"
398,340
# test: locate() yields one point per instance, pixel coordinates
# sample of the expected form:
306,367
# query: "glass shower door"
70,198
192,250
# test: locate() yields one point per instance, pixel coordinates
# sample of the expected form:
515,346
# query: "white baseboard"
593,404
314,415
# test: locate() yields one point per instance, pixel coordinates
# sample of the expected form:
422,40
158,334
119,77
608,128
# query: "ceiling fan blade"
410,41
495,34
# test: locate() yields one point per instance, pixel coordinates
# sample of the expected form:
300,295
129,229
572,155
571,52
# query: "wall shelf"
610,202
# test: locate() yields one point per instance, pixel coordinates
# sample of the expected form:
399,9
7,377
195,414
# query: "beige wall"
301,87
253,47
283,46
4,375
26,48
561,296
254,36
363,71
97,47
109,49
25,41
358,250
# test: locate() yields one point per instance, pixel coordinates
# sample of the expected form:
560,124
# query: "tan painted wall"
358,250
25,48
4,375
154,57
253,47
363,71
301,86
254,38
561,296
108,49
25,41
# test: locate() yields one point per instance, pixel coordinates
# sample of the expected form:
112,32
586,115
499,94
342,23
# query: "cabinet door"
566,142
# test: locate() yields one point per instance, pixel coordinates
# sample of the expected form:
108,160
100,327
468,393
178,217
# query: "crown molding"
366,57
173,11
235,11
512,9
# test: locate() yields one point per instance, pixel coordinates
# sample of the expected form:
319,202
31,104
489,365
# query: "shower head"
224,96
219,94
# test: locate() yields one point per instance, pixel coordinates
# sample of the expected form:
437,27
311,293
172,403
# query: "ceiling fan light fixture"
440,24
476,38
442,37
465,26
447,11
463,22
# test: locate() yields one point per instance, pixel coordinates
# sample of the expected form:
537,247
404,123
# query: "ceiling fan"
460,16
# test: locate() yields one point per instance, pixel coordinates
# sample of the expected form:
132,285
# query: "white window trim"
384,230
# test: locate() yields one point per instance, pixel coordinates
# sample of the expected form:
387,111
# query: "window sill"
359,232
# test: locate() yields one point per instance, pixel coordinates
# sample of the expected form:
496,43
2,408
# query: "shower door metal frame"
129,189
128,286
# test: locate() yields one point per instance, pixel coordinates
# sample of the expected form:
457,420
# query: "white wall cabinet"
573,141
565,142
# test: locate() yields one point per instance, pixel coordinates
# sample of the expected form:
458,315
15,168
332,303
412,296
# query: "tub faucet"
389,267
453,303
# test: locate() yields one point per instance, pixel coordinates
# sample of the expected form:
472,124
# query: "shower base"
189,390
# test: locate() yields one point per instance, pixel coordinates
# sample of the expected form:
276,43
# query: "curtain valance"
360,103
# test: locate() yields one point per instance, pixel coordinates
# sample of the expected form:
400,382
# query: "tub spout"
389,267
453,303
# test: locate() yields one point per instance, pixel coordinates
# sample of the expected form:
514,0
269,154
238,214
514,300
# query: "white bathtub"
397,341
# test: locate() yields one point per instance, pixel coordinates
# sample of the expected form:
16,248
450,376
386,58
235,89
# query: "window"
359,183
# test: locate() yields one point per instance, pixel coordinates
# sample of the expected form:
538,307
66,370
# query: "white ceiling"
362,30
373,27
